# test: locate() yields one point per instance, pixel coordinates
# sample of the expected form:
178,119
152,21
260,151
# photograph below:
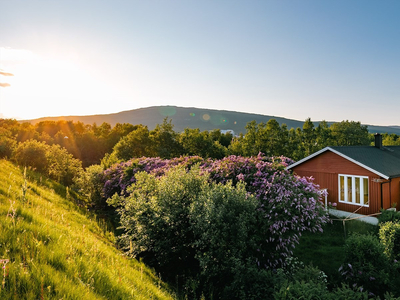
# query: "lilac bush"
120,176
288,204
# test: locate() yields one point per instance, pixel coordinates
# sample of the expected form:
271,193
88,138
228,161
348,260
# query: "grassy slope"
57,251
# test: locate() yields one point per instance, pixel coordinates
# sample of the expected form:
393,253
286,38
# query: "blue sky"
327,60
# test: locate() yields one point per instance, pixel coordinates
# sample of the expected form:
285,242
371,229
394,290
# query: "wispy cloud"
6,74
3,84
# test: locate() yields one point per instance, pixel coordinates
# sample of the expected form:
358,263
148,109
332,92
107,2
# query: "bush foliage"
54,161
389,234
389,215
366,266
211,222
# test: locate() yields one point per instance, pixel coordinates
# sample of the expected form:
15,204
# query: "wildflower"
240,176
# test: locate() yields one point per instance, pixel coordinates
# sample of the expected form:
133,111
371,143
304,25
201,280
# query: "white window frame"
353,183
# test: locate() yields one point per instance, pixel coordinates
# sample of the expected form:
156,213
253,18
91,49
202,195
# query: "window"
353,189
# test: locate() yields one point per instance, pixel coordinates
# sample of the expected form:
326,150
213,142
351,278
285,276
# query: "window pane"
341,188
365,188
357,187
349,189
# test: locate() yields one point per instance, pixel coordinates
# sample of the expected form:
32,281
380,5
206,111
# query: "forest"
217,216
61,149
91,143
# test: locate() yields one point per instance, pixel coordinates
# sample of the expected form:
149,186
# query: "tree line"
106,145
85,142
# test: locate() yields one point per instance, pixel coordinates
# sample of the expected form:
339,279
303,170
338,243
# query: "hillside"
204,119
189,117
52,249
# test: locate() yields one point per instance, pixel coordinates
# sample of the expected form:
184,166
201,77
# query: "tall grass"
50,248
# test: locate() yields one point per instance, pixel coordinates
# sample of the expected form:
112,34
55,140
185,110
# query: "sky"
324,60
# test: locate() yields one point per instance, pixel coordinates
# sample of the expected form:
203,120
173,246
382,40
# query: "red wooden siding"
325,169
395,192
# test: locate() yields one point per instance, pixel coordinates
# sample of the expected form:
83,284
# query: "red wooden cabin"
358,178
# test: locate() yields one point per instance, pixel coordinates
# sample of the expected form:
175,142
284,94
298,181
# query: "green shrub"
33,154
224,222
346,293
366,266
61,165
7,146
156,220
389,216
90,183
251,283
53,161
299,281
389,234
314,290
302,290
390,296
295,270
199,235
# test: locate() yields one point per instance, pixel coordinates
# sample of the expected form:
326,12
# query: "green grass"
57,250
326,250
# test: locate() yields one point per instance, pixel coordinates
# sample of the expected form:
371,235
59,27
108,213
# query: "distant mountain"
190,117
384,129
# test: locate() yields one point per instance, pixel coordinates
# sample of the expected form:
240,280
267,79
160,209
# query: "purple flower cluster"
288,204
120,176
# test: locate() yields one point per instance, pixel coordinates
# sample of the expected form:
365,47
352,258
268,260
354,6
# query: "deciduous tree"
349,133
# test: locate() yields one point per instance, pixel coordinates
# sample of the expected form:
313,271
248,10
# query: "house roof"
384,161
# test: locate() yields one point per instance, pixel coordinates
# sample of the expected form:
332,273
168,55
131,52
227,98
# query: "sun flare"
43,84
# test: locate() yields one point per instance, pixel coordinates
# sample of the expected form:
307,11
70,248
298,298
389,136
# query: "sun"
43,86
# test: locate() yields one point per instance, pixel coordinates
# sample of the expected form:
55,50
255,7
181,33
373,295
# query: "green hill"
182,117
50,248
190,117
